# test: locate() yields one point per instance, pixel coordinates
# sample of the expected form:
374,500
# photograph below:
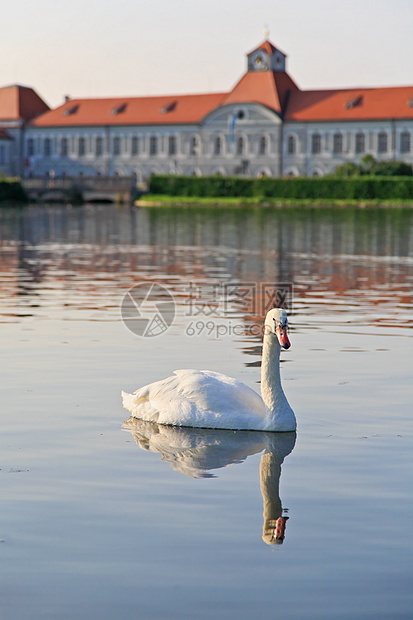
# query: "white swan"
206,399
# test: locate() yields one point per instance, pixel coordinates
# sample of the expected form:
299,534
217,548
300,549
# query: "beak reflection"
196,452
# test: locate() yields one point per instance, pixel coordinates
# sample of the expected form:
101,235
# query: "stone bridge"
80,189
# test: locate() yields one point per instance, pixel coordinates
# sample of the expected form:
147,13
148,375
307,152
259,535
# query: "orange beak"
282,337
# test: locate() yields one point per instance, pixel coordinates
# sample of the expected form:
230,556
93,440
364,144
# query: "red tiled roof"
160,110
351,104
275,90
266,87
20,103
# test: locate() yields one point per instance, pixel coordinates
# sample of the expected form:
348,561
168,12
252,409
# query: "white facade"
259,144
266,126
251,148
10,149
317,148
6,156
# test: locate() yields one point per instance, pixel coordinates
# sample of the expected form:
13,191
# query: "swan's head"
276,322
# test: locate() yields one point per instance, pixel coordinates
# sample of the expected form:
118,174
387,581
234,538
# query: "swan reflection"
195,452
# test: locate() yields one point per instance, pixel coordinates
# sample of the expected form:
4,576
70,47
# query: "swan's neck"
271,390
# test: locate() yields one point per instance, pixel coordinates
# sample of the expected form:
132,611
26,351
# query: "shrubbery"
324,188
369,166
11,190
201,186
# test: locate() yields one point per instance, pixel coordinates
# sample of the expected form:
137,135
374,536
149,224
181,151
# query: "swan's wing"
217,392
198,398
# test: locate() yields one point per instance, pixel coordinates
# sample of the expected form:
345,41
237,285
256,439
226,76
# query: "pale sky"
96,48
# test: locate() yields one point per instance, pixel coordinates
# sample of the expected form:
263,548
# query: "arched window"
360,143
153,145
315,143
240,145
337,143
172,145
81,147
99,146
405,142
64,147
217,146
291,145
382,142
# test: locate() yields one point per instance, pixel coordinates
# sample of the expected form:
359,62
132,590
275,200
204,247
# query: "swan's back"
200,398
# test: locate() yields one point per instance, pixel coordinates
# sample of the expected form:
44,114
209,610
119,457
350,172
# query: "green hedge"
11,190
324,188
200,186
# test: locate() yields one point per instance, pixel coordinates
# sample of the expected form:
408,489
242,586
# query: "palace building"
266,125
18,106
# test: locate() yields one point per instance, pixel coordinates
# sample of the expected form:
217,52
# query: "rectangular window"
262,146
81,147
291,145
360,143
64,147
47,147
153,145
99,146
316,143
30,147
172,145
116,145
135,145
382,142
193,146
405,142
337,143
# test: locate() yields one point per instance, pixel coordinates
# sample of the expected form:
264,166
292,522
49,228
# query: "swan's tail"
132,402
129,401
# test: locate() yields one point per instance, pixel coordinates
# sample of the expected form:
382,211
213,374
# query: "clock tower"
265,82
266,57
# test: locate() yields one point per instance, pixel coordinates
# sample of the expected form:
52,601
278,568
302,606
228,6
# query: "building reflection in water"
197,452
344,255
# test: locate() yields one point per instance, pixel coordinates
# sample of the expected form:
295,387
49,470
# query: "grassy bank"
160,200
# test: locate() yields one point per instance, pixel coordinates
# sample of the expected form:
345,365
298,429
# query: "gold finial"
266,33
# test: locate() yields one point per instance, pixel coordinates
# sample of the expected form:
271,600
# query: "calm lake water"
105,520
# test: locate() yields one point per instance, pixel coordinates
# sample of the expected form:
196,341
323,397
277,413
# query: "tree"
367,164
347,170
